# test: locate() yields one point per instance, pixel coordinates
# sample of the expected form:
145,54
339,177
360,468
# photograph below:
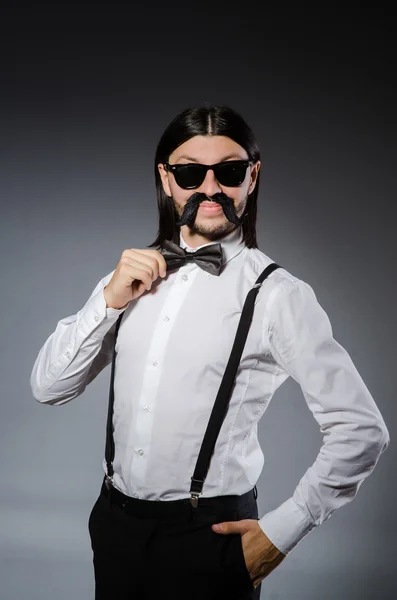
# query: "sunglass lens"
189,176
231,174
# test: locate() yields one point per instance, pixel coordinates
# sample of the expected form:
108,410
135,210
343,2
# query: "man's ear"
254,176
164,179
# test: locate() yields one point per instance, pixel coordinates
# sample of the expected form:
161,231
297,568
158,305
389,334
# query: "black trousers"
145,550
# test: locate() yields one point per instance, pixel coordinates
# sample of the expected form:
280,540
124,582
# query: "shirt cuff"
286,526
96,319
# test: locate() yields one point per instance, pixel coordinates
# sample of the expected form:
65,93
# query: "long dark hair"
204,120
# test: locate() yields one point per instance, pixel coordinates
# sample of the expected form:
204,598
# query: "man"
179,319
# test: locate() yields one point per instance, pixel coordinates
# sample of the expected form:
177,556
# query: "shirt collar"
232,244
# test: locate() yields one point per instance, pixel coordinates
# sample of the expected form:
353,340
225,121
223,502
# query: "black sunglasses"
230,173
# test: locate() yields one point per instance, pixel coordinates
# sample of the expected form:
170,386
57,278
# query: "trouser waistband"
182,508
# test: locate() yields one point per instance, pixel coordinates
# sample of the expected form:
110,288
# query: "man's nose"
210,185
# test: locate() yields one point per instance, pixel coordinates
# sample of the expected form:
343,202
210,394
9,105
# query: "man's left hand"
260,554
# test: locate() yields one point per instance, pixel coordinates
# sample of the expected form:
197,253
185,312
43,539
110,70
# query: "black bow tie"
208,258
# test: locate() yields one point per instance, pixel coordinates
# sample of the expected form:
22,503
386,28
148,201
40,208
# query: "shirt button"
185,277
135,495
68,354
96,318
140,451
146,408
155,363
166,318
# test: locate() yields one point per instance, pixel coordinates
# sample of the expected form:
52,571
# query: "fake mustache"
191,207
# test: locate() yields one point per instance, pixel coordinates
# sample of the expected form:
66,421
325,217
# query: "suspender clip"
194,499
109,482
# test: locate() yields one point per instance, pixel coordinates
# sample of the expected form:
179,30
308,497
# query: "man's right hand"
135,273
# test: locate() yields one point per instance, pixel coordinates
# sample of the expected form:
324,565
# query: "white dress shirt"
172,349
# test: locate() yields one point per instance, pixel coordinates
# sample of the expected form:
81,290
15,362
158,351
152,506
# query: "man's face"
218,221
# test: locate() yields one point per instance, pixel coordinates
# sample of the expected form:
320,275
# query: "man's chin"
214,231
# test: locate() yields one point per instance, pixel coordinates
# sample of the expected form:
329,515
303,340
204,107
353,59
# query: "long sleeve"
77,351
355,434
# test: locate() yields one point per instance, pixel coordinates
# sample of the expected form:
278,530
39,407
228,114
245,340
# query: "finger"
161,262
140,271
159,257
145,258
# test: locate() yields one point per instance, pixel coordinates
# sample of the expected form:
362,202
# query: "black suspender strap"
109,445
222,399
221,404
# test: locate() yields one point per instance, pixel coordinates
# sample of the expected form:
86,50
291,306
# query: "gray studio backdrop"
78,189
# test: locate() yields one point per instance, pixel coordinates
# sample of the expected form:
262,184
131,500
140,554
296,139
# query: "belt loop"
255,492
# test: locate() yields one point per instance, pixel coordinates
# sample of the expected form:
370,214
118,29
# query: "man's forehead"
201,148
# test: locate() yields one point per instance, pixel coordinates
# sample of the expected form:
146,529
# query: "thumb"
226,527
241,526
